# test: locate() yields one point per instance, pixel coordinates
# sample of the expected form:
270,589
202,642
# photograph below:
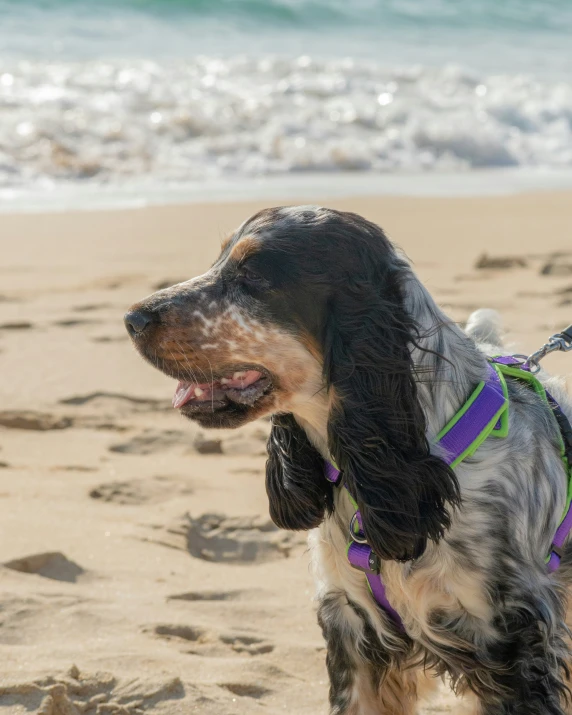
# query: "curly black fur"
355,311
298,492
377,433
521,670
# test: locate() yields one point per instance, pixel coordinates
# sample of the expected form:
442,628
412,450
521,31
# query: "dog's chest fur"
435,583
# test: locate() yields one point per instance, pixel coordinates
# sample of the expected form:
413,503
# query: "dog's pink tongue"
187,391
201,392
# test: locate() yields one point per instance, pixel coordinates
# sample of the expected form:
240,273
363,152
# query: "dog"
313,317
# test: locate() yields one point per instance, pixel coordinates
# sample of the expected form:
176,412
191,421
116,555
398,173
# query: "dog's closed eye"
251,278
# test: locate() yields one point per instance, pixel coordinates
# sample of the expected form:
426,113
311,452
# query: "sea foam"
113,122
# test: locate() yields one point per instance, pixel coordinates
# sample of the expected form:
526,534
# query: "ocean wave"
114,121
528,15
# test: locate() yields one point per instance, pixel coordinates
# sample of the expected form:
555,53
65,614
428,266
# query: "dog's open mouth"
243,386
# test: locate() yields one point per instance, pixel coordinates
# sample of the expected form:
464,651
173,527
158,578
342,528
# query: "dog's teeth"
224,381
238,375
183,394
198,392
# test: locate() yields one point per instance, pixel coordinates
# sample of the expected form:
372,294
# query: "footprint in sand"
186,633
16,325
150,442
559,265
247,644
499,263
74,322
220,538
565,296
141,491
246,690
29,420
116,400
78,692
52,564
208,596
208,643
206,445
110,339
245,442
90,307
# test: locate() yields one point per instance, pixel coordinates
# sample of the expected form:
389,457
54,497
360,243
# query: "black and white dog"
313,316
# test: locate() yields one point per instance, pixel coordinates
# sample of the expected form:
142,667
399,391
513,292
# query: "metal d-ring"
355,537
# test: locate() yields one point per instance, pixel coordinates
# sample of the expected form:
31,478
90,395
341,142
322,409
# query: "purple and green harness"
484,415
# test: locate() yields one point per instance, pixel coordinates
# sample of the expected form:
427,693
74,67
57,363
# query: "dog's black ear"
376,427
297,488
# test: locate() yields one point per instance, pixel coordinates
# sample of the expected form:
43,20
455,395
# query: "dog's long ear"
376,427
297,488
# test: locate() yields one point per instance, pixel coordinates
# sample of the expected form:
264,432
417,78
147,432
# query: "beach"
139,570
141,573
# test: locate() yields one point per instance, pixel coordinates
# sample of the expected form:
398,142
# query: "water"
487,35
148,93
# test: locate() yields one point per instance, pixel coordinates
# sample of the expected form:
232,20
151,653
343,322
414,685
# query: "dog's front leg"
365,675
520,666
527,667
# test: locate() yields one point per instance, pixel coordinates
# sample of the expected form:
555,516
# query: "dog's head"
244,338
303,314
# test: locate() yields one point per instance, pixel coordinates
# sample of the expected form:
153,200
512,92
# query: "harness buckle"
339,479
558,550
373,564
356,535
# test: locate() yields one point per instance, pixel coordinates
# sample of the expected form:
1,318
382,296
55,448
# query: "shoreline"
300,186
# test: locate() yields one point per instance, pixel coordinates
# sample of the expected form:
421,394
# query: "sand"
140,571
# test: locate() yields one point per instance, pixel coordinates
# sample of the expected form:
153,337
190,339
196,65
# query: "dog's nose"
137,321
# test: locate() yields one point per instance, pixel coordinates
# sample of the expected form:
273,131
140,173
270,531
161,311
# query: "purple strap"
332,474
362,557
510,360
558,542
454,442
378,590
566,524
471,424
